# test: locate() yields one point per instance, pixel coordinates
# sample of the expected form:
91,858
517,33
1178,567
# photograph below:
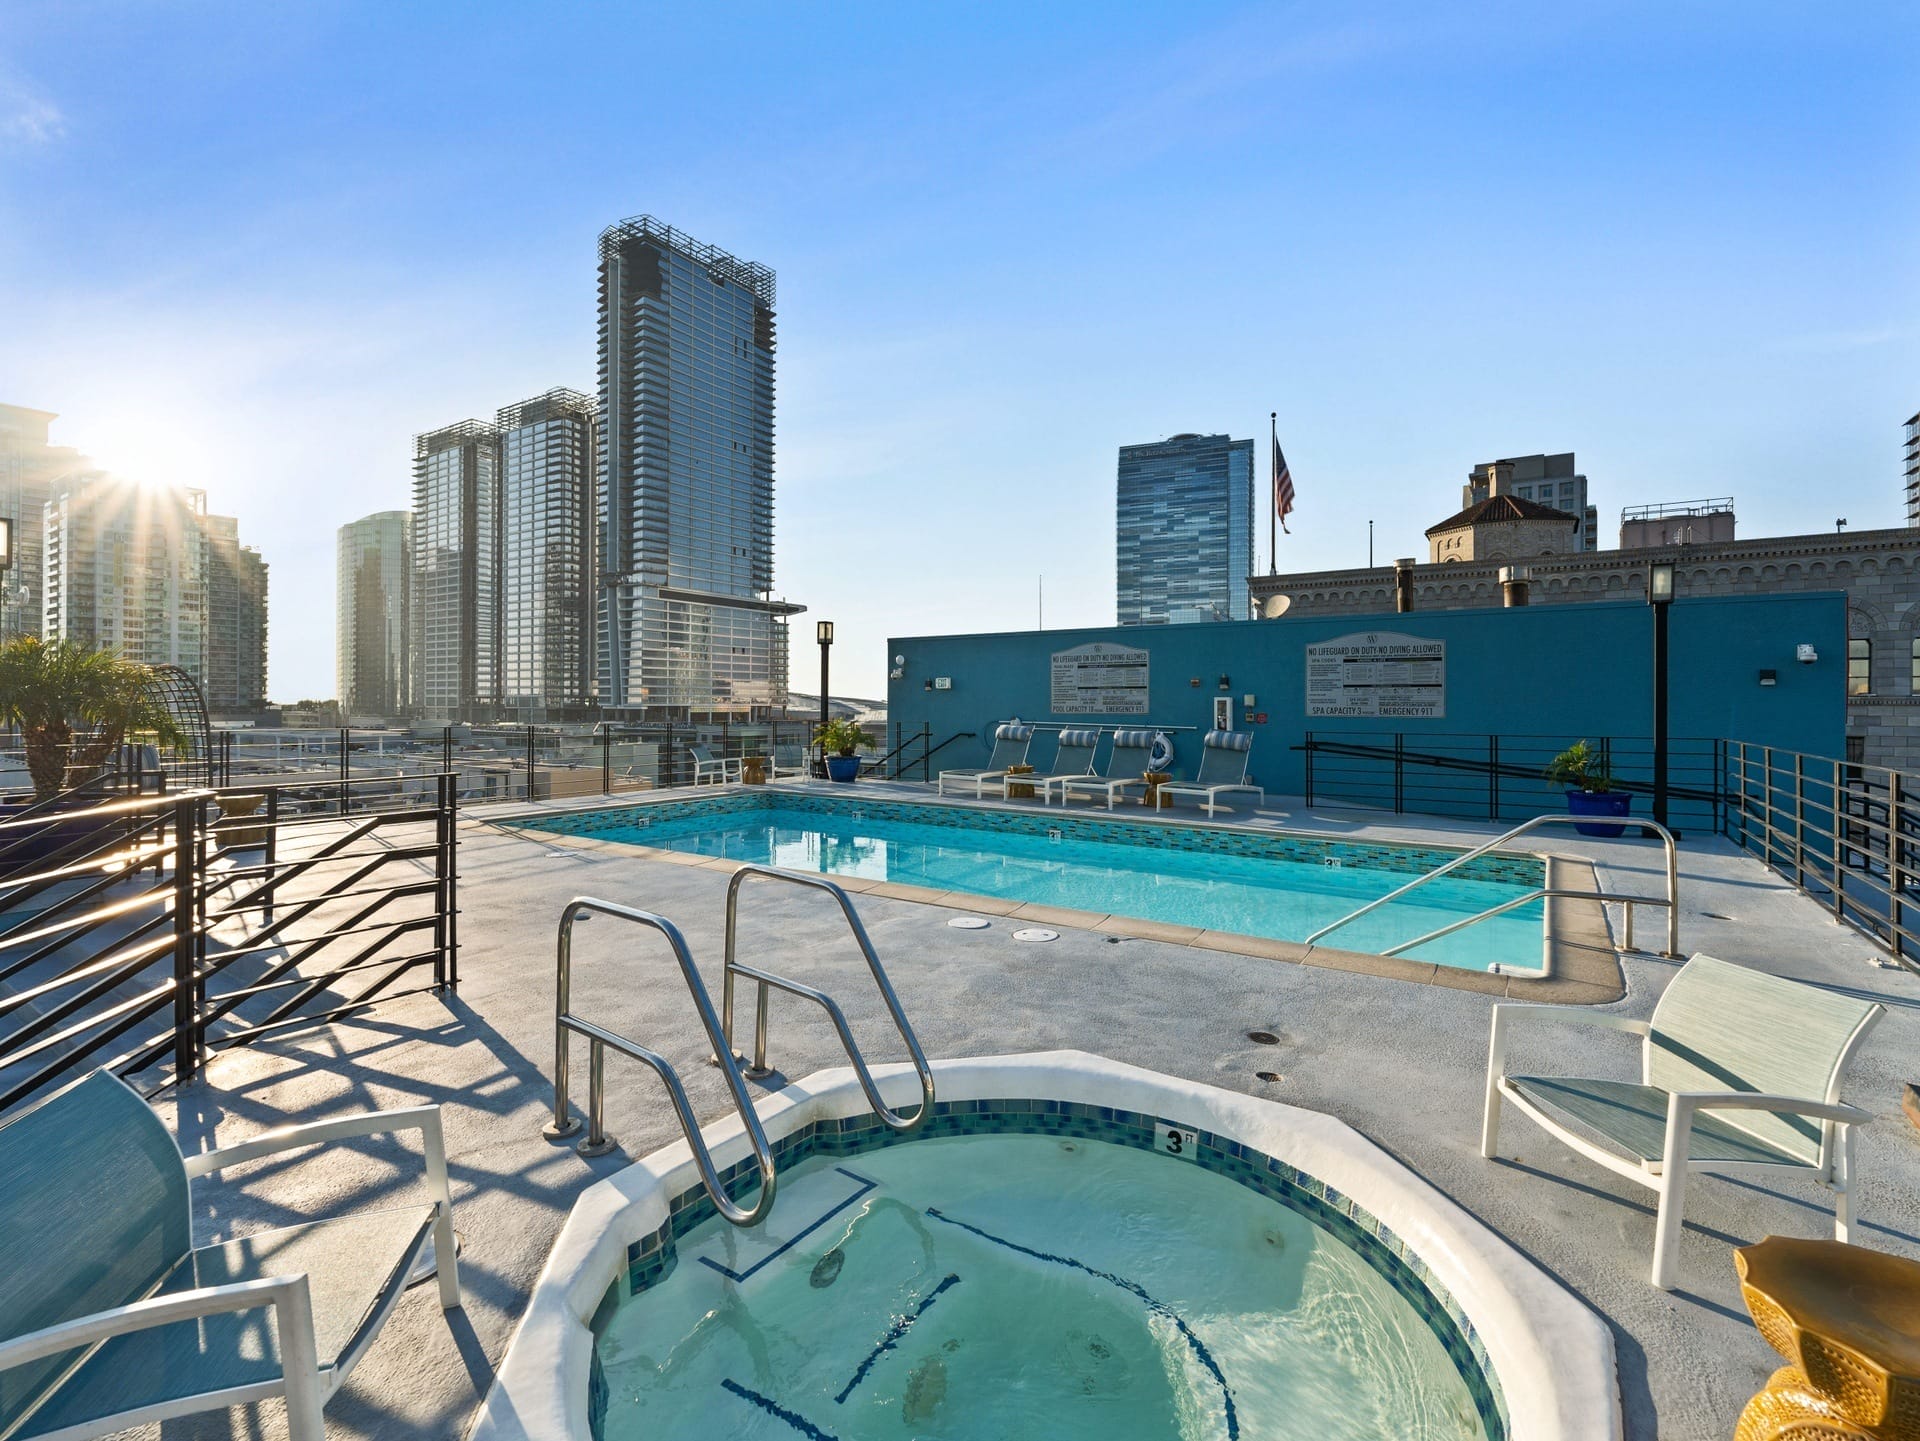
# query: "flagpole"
1273,494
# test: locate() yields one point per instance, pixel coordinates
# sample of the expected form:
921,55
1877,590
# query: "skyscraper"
124,568
549,472
29,465
687,623
234,675
1184,523
456,537
373,615
1913,470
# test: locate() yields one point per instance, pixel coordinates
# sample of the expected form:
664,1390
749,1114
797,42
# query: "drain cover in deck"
968,923
1034,933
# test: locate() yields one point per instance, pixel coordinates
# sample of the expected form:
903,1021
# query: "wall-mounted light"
1805,654
929,684
1195,682
1768,677
899,660
1226,682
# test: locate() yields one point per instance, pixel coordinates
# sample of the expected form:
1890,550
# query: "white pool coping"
1553,1355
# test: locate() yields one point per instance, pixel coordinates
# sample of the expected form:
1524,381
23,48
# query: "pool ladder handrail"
597,1142
1671,902
766,979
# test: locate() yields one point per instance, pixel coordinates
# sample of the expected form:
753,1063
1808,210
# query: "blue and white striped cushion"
1079,738
1230,740
1134,740
1013,731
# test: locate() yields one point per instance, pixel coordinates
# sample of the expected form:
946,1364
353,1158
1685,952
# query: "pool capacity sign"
1099,679
1378,674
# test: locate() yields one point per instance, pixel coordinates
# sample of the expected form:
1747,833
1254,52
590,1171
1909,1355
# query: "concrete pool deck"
1403,1063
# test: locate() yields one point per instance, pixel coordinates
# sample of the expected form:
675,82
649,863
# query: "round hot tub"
1070,1248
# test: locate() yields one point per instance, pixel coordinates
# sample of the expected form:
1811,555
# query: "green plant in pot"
842,740
1582,772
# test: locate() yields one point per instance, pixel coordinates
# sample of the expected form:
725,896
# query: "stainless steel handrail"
765,979
1542,893
597,1142
1672,901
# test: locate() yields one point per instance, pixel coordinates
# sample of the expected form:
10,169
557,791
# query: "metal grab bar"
766,979
1672,902
1543,893
597,1142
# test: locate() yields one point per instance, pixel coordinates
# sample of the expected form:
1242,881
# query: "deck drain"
1263,1038
1715,916
1268,1076
968,923
1034,933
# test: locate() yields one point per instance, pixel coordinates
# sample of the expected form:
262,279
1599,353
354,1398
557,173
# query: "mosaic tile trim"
630,823
652,1257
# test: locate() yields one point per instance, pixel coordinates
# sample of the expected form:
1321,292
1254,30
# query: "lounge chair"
1740,1071
1072,762
1010,745
112,1317
1129,760
709,770
790,760
1223,767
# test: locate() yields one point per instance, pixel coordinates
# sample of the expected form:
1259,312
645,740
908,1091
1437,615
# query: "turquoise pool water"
1181,875
998,1286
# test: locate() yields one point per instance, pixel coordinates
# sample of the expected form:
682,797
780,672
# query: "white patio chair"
1010,745
1223,768
790,760
1129,760
110,1316
709,770
1740,1072
1071,762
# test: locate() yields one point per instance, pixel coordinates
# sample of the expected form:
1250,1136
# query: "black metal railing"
145,934
1843,832
1500,777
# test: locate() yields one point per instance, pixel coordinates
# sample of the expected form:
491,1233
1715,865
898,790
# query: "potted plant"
842,740
1589,788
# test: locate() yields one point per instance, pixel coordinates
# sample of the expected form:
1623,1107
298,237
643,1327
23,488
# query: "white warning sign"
1099,679
1378,674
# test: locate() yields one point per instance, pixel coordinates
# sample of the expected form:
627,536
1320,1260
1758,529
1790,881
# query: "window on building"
1913,683
1859,667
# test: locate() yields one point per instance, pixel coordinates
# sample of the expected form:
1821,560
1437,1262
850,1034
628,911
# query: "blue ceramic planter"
1603,803
843,768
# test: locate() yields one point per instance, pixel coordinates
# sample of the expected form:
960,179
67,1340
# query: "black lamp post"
1660,597
823,631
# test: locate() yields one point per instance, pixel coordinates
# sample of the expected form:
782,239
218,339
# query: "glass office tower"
548,479
1184,521
687,625
456,538
373,616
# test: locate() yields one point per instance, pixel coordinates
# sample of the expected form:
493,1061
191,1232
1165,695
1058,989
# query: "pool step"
807,1205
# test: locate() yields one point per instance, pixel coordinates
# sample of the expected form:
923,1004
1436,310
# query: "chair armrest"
288,1295
424,1119
1691,1101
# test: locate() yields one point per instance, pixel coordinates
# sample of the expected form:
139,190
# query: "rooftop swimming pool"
1214,878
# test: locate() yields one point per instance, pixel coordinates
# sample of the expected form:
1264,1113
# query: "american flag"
1282,486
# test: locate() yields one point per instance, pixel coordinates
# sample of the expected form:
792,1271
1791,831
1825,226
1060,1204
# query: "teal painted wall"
1552,672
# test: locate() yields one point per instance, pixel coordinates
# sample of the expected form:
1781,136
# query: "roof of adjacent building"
1497,508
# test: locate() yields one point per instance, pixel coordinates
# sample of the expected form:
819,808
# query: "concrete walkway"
1403,1063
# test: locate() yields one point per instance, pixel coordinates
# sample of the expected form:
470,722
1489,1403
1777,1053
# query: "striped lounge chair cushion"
1079,738
1134,740
1013,731
1230,740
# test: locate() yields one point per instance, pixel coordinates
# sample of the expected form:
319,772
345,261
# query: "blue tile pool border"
654,1256
629,824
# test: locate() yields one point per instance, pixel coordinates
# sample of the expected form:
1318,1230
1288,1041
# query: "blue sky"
256,248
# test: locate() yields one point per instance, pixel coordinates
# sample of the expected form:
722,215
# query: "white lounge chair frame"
707,770
1077,746
1130,748
1219,774
1011,742
1714,1020
304,1383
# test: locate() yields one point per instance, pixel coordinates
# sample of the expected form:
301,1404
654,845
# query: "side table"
1016,791
1153,798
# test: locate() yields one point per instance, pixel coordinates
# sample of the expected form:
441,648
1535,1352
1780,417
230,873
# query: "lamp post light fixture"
823,632
1660,597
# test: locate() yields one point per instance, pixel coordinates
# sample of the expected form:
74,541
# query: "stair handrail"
892,1120
600,1039
1556,818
